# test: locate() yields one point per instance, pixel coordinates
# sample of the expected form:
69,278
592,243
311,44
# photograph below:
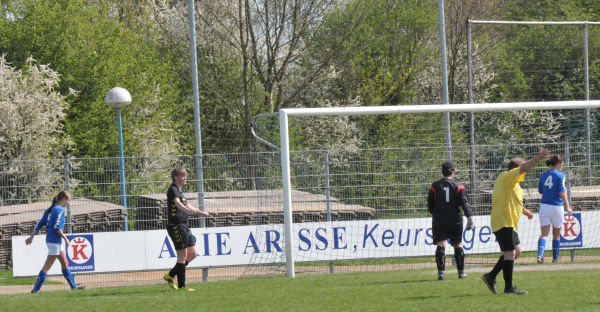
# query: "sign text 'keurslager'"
263,244
373,236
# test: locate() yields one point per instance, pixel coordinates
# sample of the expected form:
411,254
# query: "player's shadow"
126,292
437,297
403,282
420,282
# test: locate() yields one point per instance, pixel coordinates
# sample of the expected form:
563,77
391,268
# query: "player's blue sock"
555,249
541,247
40,281
69,277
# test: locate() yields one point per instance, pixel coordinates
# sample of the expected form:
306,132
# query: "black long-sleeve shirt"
445,198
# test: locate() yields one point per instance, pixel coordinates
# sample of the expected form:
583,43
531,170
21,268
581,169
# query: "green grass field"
412,290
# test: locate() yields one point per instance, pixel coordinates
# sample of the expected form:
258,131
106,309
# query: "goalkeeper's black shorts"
181,236
443,231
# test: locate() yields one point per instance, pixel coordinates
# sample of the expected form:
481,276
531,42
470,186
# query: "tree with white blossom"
32,112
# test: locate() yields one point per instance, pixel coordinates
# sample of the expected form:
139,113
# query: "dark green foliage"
95,48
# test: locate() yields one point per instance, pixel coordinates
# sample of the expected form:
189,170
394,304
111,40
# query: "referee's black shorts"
443,231
181,236
507,238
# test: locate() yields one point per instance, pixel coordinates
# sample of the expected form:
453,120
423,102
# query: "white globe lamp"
118,97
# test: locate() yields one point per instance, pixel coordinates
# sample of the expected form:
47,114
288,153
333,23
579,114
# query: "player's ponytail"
554,160
60,196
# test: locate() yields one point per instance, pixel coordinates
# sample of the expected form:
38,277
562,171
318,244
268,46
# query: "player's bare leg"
190,254
43,273
48,263
517,252
62,258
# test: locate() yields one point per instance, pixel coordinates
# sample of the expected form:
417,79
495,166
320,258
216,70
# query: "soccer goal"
399,176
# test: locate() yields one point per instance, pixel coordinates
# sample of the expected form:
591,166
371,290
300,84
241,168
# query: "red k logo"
80,250
571,228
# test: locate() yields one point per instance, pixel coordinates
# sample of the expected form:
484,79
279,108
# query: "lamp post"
119,97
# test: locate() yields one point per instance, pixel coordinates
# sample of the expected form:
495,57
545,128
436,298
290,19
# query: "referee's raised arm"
526,166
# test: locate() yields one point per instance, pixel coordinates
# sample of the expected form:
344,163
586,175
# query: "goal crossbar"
375,110
534,22
439,108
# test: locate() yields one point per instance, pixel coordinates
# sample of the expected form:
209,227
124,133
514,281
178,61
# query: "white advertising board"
261,244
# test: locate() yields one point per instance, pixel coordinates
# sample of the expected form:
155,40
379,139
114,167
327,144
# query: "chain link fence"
244,189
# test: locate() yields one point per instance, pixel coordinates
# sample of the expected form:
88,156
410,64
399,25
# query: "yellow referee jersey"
507,200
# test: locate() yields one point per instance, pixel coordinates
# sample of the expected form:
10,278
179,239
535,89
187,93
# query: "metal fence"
244,189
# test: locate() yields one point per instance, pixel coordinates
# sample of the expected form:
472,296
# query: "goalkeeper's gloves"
469,223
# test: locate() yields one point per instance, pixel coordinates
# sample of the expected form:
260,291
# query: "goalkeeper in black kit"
445,198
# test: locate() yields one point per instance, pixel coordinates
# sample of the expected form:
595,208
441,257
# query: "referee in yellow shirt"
507,208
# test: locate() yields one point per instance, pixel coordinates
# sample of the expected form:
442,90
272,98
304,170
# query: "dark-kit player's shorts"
442,232
181,236
507,238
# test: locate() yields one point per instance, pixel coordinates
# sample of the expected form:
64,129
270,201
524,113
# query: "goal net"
355,181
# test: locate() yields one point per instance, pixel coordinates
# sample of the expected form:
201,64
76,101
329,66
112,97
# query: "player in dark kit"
178,230
446,196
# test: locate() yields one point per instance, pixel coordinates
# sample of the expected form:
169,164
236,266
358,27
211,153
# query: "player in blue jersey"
54,221
552,206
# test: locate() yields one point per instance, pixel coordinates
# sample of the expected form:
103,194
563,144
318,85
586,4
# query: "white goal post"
376,110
